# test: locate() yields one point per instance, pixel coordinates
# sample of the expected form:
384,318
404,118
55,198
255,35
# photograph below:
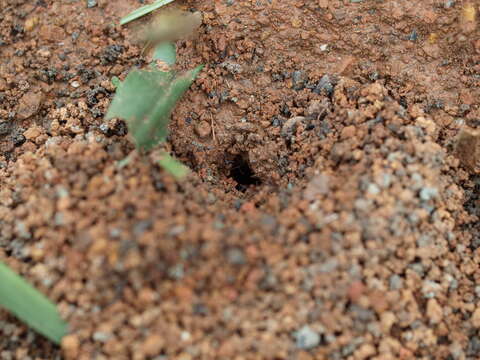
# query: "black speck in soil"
277,121
86,74
236,256
47,75
119,129
473,346
92,95
130,210
4,128
413,35
200,309
278,77
299,79
17,30
285,110
75,36
96,112
325,86
18,139
111,53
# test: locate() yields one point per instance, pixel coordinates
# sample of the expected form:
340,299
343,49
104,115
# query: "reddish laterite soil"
330,212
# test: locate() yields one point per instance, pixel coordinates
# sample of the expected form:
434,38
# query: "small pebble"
387,319
153,345
299,78
476,318
290,126
428,193
473,348
5,128
203,129
236,256
18,139
434,311
396,282
30,23
449,4
306,338
70,347
324,85
413,35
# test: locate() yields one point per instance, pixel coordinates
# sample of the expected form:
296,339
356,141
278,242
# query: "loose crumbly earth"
326,217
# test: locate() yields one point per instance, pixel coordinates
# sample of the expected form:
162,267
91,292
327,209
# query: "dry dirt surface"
328,214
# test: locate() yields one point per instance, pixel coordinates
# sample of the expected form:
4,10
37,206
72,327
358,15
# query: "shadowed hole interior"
243,174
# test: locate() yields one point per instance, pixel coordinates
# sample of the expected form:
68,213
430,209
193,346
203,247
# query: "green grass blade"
144,10
30,306
174,167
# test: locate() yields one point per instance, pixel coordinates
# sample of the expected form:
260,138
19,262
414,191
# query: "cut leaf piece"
124,162
168,25
165,52
30,306
145,100
174,167
144,10
115,81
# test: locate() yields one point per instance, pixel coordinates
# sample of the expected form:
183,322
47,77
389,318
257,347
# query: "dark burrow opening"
242,173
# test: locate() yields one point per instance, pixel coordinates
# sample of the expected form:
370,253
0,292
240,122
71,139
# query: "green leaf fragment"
174,167
169,25
30,306
115,81
124,162
144,10
145,100
165,52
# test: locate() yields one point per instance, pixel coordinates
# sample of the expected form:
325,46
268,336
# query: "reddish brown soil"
326,216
